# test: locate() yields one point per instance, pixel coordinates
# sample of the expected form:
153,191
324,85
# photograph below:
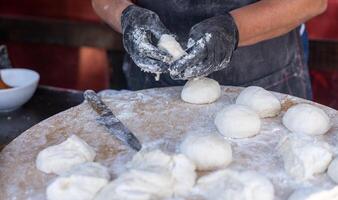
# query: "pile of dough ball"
154,174
243,119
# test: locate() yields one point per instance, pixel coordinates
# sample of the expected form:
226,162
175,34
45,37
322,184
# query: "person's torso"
278,57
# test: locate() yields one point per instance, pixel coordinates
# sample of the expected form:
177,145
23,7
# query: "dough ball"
184,175
208,152
149,159
153,174
80,183
138,185
333,170
304,157
260,100
237,121
89,169
315,194
307,119
170,45
228,184
60,158
201,91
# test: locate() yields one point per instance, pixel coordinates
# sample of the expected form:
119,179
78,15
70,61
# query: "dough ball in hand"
237,121
333,170
171,46
304,157
307,119
208,152
80,183
201,91
60,158
260,100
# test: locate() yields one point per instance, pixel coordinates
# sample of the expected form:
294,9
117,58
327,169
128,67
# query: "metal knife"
109,120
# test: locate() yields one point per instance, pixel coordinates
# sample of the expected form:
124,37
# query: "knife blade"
109,120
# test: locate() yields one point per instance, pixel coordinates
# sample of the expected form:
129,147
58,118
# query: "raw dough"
306,118
260,100
208,152
183,174
201,91
138,185
60,158
333,170
152,175
80,183
304,157
237,121
315,194
228,184
170,45
179,166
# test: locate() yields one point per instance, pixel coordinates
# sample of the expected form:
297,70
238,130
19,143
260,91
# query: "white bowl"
24,83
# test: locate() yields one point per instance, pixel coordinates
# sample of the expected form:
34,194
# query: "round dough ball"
260,100
184,175
307,119
208,152
201,91
237,121
229,184
62,157
82,182
304,157
333,170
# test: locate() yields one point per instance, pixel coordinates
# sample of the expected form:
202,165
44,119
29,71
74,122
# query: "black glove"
210,48
141,30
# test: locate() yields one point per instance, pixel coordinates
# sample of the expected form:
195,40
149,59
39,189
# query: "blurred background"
71,48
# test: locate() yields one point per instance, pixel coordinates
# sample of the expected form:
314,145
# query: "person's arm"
267,19
110,11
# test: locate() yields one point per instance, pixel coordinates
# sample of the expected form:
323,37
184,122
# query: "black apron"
276,64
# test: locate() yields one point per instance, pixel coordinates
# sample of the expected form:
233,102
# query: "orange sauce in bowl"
4,85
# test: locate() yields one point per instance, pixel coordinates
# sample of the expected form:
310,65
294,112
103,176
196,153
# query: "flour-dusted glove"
210,48
141,29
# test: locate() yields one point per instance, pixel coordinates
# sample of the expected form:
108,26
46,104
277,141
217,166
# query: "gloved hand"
210,48
141,30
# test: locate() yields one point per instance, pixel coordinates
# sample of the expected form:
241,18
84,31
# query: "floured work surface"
159,118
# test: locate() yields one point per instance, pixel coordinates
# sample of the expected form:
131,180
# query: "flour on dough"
304,157
201,91
229,184
60,158
260,100
307,119
207,151
82,182
237,121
